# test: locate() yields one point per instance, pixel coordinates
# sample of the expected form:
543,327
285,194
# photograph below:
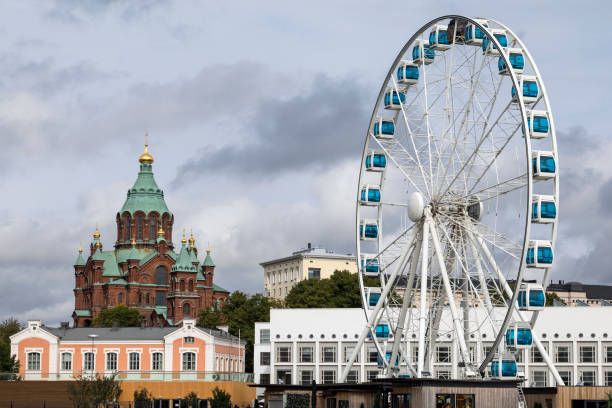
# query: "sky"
257,113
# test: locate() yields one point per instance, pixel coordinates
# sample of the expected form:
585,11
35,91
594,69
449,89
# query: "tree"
8,363
87,392
190,400
340,290
143,398
551,297
121,314
220,398
241,311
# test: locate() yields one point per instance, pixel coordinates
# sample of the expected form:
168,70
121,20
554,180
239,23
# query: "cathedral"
143,271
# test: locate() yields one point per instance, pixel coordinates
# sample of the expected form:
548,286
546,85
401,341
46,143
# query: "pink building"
155,353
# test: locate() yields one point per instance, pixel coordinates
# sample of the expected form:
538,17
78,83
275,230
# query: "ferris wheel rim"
521,104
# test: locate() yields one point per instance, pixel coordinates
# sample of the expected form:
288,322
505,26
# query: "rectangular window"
160,298
607,378
372,355
401,401
306,354
562,354
283,354
539,378
587,354
66,361
414,352
111,361
264,358
283,376
607,354
306,377
348,351
328,376
343,403
189,340
566,376
134,359
314,273
34,361
455,400
536,357
264,336
89,360
445,400
352,377
443,354
264,378
372,374
518,355
328,354
443,374
139,237
330,403
587,377
158,361
189,361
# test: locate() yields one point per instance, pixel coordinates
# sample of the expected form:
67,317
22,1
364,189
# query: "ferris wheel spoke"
498,190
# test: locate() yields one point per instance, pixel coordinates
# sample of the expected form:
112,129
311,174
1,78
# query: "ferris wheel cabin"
376,161
489,48
372,296
383,128
369,265
382,331
422,53
407,73
538,125
543,165
543,209
388,355
531,92
473,34
519,336
369,195
503,366
394,99
539,254
368,230
531,297
438,38
517,61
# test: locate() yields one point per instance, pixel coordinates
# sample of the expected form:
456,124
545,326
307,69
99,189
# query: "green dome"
145,195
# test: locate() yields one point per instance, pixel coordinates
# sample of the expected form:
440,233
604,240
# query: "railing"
205,376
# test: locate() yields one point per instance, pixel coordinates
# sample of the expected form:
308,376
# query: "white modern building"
301,345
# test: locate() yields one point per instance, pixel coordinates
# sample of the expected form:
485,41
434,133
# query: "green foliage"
210,318
87,392
551,297
142,395
340,290
241,311
122,314
220,398
297,401
8,363
190,400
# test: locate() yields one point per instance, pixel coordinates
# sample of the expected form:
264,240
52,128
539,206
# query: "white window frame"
153,354
335,348
306,370
84,358
312,353
107,361
328,370
581,355
569,353
134,353
28,362
448,353
590,370
278,353
195,360
71,354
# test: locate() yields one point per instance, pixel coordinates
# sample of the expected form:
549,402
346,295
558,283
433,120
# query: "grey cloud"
76,11
318,128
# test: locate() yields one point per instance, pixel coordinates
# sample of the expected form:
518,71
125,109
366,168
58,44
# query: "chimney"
64,325
309,245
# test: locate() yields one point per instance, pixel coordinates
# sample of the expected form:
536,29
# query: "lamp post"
93,363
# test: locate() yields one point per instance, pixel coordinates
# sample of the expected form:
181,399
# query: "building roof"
145,195
184,261
311,252
80,261
208,260
592,291
125,333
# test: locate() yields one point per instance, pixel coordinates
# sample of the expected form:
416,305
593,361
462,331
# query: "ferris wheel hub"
416,205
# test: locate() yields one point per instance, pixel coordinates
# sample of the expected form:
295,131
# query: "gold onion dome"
146,157
97,233
183,240
160,232
191,240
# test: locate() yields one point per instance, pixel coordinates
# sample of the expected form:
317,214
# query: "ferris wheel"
457,204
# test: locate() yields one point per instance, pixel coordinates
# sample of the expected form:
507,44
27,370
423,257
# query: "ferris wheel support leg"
404,310
423,300
508,292
481,278
449,293
373,318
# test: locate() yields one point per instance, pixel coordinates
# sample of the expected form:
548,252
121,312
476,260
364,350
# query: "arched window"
140,299
158,361
34,361
128,223
134,361
182,285
147,299
190,285
89,360
153,228
66,361
160,275
189,361
120,298
186,310
111,361
139,230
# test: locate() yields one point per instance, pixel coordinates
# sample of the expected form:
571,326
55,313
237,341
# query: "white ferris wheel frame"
418,242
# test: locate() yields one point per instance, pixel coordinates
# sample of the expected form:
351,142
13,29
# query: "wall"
25,394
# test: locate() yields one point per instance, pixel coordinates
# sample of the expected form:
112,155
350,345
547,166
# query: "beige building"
280,275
